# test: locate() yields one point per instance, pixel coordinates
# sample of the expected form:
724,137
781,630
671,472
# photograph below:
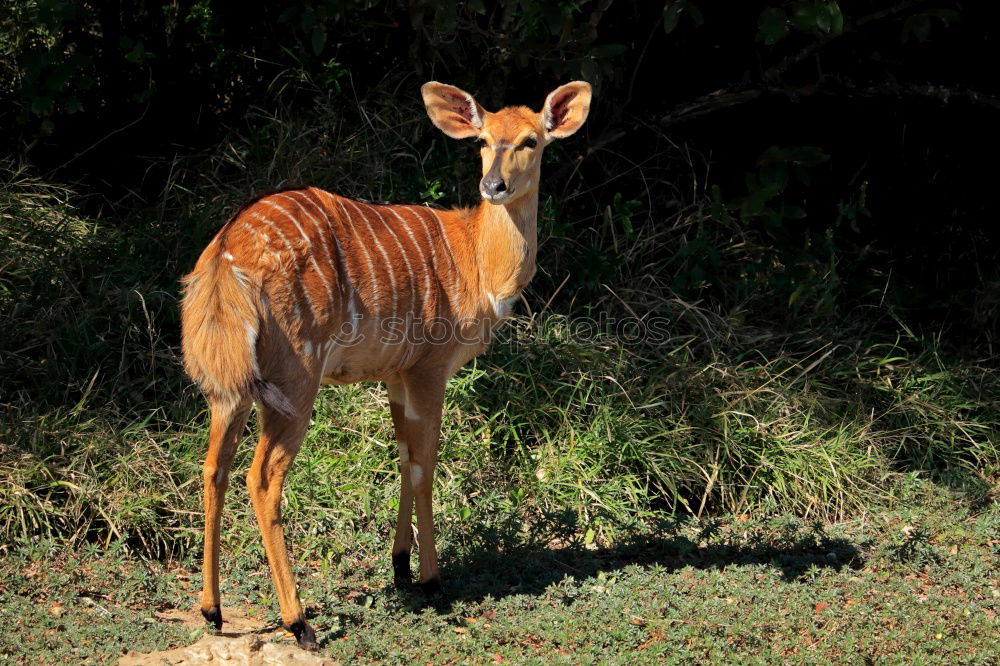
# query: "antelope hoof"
401,576
304,634
213,616
431,587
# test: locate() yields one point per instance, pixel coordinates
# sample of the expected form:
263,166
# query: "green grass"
918,584
553,423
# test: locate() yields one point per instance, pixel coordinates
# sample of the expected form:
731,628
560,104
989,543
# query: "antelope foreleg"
403,540
424,401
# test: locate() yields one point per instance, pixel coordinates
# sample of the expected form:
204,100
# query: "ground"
919,583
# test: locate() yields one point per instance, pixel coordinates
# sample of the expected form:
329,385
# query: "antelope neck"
506,243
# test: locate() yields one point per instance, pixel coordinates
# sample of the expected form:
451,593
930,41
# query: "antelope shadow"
506,560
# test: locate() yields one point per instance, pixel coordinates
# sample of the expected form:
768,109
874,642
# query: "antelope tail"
221,315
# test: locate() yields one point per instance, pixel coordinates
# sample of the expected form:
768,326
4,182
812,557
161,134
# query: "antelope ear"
566,109
452,110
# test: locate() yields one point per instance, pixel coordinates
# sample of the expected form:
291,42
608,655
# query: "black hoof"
431,588
304,634
401,575
213,616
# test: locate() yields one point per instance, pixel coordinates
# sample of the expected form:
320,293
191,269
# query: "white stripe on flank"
345,284
423,258
291,252
453,295
405,349
312,256
368,257
315,222
388,264
402,251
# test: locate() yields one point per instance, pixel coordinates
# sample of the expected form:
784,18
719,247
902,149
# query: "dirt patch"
243,641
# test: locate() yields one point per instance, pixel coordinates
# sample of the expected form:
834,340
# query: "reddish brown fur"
298,289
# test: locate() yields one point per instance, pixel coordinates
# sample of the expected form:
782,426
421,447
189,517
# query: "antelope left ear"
452,110
566,109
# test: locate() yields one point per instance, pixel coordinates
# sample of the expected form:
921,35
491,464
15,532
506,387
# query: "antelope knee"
417,476
255,483
216,476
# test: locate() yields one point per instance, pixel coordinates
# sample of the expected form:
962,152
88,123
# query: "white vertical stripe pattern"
388,264
368,258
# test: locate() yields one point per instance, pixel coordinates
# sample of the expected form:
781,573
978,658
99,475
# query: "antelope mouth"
498,198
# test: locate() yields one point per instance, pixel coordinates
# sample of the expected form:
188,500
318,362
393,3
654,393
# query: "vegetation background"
768,277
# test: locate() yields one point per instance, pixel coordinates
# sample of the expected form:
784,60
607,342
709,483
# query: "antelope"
303,287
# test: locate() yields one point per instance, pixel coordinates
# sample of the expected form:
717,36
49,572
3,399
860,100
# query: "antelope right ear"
452,110
566,109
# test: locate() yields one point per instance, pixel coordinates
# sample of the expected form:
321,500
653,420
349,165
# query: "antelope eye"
529,143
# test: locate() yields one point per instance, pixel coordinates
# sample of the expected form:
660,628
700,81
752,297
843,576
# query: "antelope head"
512,139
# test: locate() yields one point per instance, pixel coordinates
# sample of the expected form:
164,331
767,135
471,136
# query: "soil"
242,641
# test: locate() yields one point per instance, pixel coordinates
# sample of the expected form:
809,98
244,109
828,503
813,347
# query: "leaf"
696,15
823,20
607,51
136,53
588,539
672,15
946,15
918,26
792,212
821,606
772,26
308,19
836,18
42,105
805,16
318,39
808,156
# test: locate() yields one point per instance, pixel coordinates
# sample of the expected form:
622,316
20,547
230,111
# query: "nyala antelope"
300,287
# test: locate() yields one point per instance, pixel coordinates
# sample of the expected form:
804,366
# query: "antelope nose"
492,185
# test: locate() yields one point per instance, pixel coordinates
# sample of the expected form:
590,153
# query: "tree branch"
710,103
724,99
